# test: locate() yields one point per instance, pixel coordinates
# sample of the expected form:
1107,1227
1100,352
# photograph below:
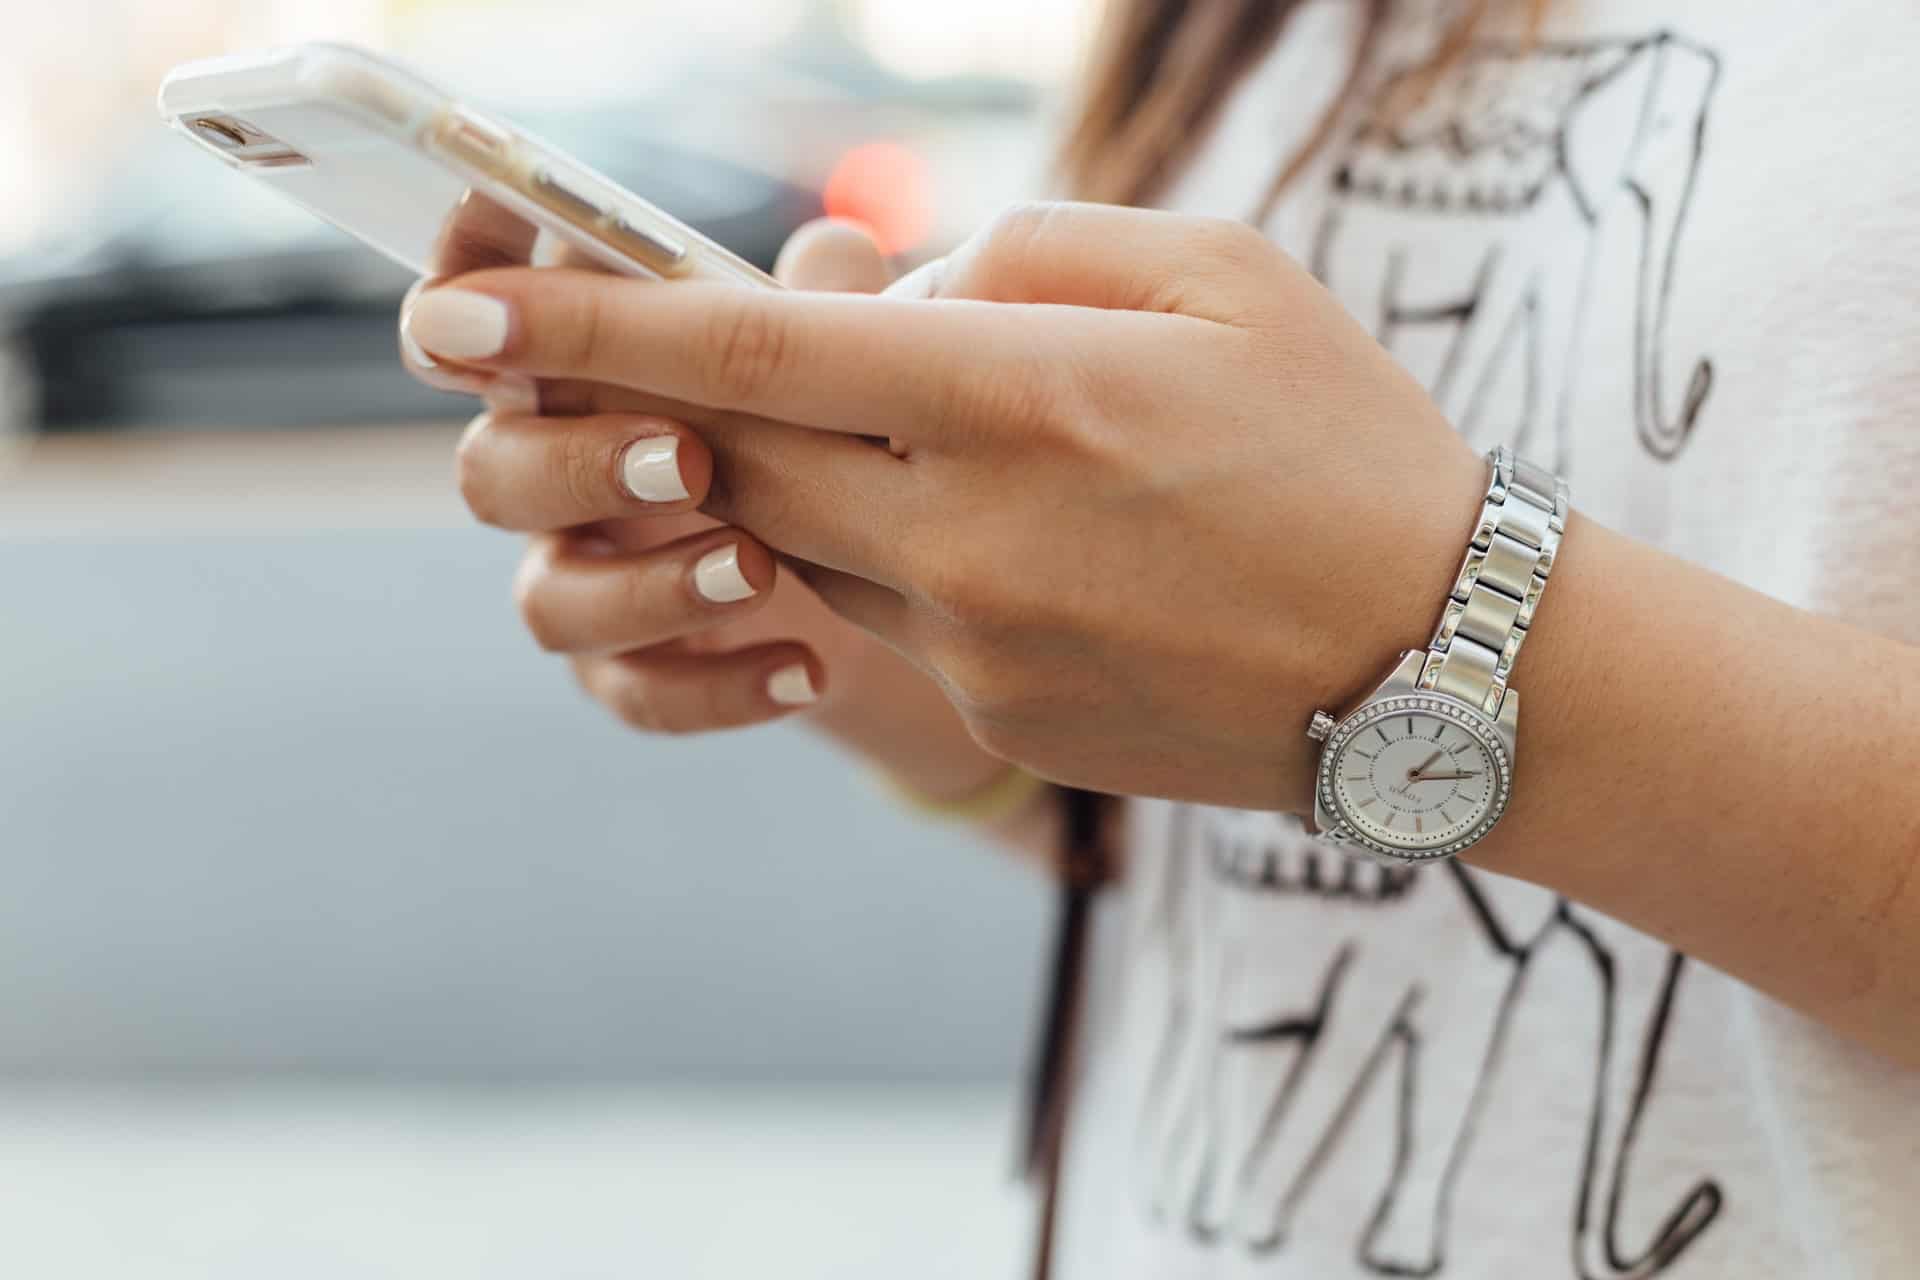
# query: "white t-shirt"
1673,250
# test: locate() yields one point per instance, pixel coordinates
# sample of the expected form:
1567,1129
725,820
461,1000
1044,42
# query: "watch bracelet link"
1499,585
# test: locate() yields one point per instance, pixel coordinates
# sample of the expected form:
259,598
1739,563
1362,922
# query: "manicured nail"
513,393
791,686
458,323
651,470
718,576
414,351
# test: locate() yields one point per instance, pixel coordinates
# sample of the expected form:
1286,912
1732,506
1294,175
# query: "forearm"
1735,776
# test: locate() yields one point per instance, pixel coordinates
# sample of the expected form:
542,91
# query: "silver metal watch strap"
1499,584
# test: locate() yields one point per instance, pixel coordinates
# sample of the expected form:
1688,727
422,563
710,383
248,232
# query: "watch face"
1415,777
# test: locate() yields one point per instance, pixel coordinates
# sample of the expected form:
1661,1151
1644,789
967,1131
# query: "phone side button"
663,255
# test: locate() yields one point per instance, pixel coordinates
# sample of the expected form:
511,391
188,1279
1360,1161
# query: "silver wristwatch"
1421,767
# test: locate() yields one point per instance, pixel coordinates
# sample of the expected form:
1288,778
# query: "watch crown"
1320,726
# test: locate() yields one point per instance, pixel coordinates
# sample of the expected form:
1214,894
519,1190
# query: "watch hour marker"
1363,755
1355,777
1417,827
1388,824
1409,726
1382,732
1446,817
1438,729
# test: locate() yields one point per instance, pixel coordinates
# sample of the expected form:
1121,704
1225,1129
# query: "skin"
614,594
1154,497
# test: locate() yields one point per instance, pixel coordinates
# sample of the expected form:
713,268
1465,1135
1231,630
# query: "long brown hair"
1162,69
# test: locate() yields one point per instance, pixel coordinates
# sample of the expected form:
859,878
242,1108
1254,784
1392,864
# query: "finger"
642,533
873,366
576,597
815,494
833,256
830,499
577,398
478,232
535,474
665,691
503,391
1110,257
481,232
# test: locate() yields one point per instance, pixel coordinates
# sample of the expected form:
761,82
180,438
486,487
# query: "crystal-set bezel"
1458,712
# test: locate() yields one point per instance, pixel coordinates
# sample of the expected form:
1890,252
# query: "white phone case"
402,166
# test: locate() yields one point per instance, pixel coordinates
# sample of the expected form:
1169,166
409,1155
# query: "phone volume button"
656,251
469,138
560,193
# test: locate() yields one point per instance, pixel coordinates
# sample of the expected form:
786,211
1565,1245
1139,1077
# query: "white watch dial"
1415,775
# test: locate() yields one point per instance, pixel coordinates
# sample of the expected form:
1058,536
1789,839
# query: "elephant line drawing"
1361,1029
1517,152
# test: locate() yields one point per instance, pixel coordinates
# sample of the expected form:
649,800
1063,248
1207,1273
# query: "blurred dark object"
188,297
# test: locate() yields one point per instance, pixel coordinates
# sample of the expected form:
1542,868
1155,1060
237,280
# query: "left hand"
1154,495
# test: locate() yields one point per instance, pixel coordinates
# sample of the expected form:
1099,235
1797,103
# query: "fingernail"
458,323
791,686
513,393
651,470
717,576
414,351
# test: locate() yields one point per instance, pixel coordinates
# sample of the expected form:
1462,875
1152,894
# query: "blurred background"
338,934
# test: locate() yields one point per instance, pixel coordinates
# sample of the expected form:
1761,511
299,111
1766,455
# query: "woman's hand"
673,621
1153,495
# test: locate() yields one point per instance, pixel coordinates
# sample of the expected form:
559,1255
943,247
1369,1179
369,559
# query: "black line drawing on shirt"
1242,1115
1480,188
1472,226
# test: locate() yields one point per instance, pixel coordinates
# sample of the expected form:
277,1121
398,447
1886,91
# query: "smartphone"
409,170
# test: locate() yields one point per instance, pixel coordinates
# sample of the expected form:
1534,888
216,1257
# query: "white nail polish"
458,323
791,686
717,576
651,470
512,393
413,350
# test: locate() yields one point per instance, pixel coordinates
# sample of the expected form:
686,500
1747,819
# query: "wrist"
1379,603
1422,767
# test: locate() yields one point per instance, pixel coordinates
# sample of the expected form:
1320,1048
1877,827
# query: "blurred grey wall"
313,802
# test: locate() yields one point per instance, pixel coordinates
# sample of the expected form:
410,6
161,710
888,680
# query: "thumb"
832,256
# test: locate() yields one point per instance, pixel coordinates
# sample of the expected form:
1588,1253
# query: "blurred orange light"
885,187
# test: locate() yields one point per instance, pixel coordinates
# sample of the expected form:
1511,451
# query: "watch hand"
1413,774
1444,777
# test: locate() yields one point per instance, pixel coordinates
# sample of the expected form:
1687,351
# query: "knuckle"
579,471
748,346
649,599
1037,398
1016,232
591,334
1054,398
1233,247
